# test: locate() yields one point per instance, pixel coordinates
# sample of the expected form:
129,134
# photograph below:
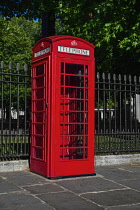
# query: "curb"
16,165
117,159
107,160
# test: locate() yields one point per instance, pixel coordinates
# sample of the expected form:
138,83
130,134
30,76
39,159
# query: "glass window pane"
73,153
86,105
40,70
73,141
62,67
86,94
39,116
74,69
86,70
39,129
38,141
72,105
86,81
62,80
40,93
40,81
72,129
74,93
39,105
38,153
74,81
74,117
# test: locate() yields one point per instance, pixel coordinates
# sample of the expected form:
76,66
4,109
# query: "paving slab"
15,201
113,188
68,201
114,198
132,183
24,178
44,188
89,184
128,207
135,168
8,186
16,173
117,173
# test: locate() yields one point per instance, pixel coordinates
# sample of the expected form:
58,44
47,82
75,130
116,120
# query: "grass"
13,145
18,145
111,144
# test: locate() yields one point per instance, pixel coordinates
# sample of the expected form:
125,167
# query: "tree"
112,26
32,9
17,37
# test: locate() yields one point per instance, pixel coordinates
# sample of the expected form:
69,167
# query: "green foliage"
17,37
112,26
31,9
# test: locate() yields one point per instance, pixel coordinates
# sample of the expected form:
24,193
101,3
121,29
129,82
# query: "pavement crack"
121,185
126,205
102,191
79,195
123,169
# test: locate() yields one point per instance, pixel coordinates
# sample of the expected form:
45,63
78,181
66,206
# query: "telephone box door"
75,113
39,133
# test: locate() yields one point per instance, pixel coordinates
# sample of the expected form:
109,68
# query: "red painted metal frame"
39,132
66,123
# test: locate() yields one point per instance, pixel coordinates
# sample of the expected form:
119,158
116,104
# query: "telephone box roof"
56,38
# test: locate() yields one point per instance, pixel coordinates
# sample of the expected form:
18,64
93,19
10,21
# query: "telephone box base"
63,177
71,176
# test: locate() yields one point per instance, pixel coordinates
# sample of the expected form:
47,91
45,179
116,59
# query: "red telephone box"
62,136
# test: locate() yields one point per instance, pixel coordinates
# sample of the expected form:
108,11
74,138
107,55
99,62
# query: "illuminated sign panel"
73,50
42,52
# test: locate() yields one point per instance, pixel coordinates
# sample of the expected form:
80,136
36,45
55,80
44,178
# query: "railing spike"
18,66
120,77
2,64
103,75
10,65
98,75
114,76
109,76
135,79
130,78
125,78
25,67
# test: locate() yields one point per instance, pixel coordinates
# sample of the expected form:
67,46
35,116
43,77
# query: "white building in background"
138,107
13,114
135,107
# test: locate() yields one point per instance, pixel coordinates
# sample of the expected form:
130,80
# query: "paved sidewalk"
113,188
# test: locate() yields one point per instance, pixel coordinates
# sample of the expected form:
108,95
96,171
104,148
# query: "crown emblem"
74,43
42,45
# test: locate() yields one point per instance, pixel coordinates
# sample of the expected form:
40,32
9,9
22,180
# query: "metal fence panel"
117,113
14,111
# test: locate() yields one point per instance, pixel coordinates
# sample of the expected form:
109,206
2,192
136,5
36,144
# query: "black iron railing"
14,111
117,113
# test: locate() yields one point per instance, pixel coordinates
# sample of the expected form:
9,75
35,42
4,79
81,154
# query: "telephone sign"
42,52
73,50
